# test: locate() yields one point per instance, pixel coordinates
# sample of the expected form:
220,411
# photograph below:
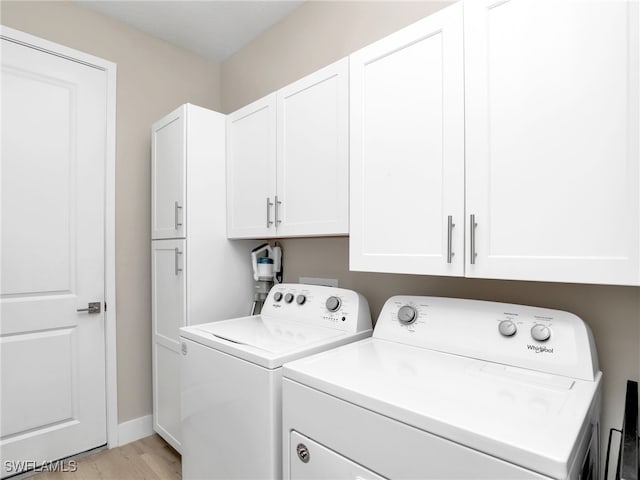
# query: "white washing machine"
231,374
448,388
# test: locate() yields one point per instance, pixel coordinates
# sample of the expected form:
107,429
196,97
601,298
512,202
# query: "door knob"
94,307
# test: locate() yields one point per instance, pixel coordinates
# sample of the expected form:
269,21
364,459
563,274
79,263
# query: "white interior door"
53,161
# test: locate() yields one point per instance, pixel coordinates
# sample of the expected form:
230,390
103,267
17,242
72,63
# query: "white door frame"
110,240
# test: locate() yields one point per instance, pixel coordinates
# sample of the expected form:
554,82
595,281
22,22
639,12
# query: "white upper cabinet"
168,192
552,99
288,160
531,150
313,154
251,170
407,150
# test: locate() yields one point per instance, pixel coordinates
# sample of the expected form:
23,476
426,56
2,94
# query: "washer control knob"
333,304
277,296
288,297
507,328
540,333
407,315
300,299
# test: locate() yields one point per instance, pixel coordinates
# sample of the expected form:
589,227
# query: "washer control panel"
319,305
541,339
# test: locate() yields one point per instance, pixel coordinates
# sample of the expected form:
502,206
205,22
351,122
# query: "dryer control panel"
546,340
338,308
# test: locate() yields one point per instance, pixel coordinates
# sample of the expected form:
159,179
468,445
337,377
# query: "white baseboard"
135,429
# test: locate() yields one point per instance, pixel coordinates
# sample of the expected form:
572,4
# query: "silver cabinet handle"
472,235
177,262
450,226
93,307
278,203
177,209
269,205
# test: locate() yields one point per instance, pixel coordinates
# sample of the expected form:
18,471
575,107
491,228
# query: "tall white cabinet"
407,150
288,160
198,275
532,150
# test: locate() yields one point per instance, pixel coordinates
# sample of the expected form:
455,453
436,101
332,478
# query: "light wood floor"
150,458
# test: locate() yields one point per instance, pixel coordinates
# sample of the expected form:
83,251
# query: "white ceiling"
215,29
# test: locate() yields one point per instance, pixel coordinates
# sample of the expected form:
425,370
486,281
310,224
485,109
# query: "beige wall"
312,36
318,33
154,77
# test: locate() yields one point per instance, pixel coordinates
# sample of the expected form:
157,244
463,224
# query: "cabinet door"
168,166
313,154
168,315
552,140
251,170
407,149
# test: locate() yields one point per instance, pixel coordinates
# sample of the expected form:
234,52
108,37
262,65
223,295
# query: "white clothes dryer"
448,388
231,374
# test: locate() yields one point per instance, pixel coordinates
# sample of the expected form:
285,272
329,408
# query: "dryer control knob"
333,304
407,315
540,333
300,299
288,297
507,328
277,296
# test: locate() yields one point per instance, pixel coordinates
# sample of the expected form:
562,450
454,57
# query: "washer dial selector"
407,315
507,328
540,333
288,297
333,304
300,299
277,296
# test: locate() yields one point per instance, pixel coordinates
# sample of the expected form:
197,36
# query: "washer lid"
528,418
268,341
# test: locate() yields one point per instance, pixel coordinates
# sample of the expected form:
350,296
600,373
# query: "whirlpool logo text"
540,348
